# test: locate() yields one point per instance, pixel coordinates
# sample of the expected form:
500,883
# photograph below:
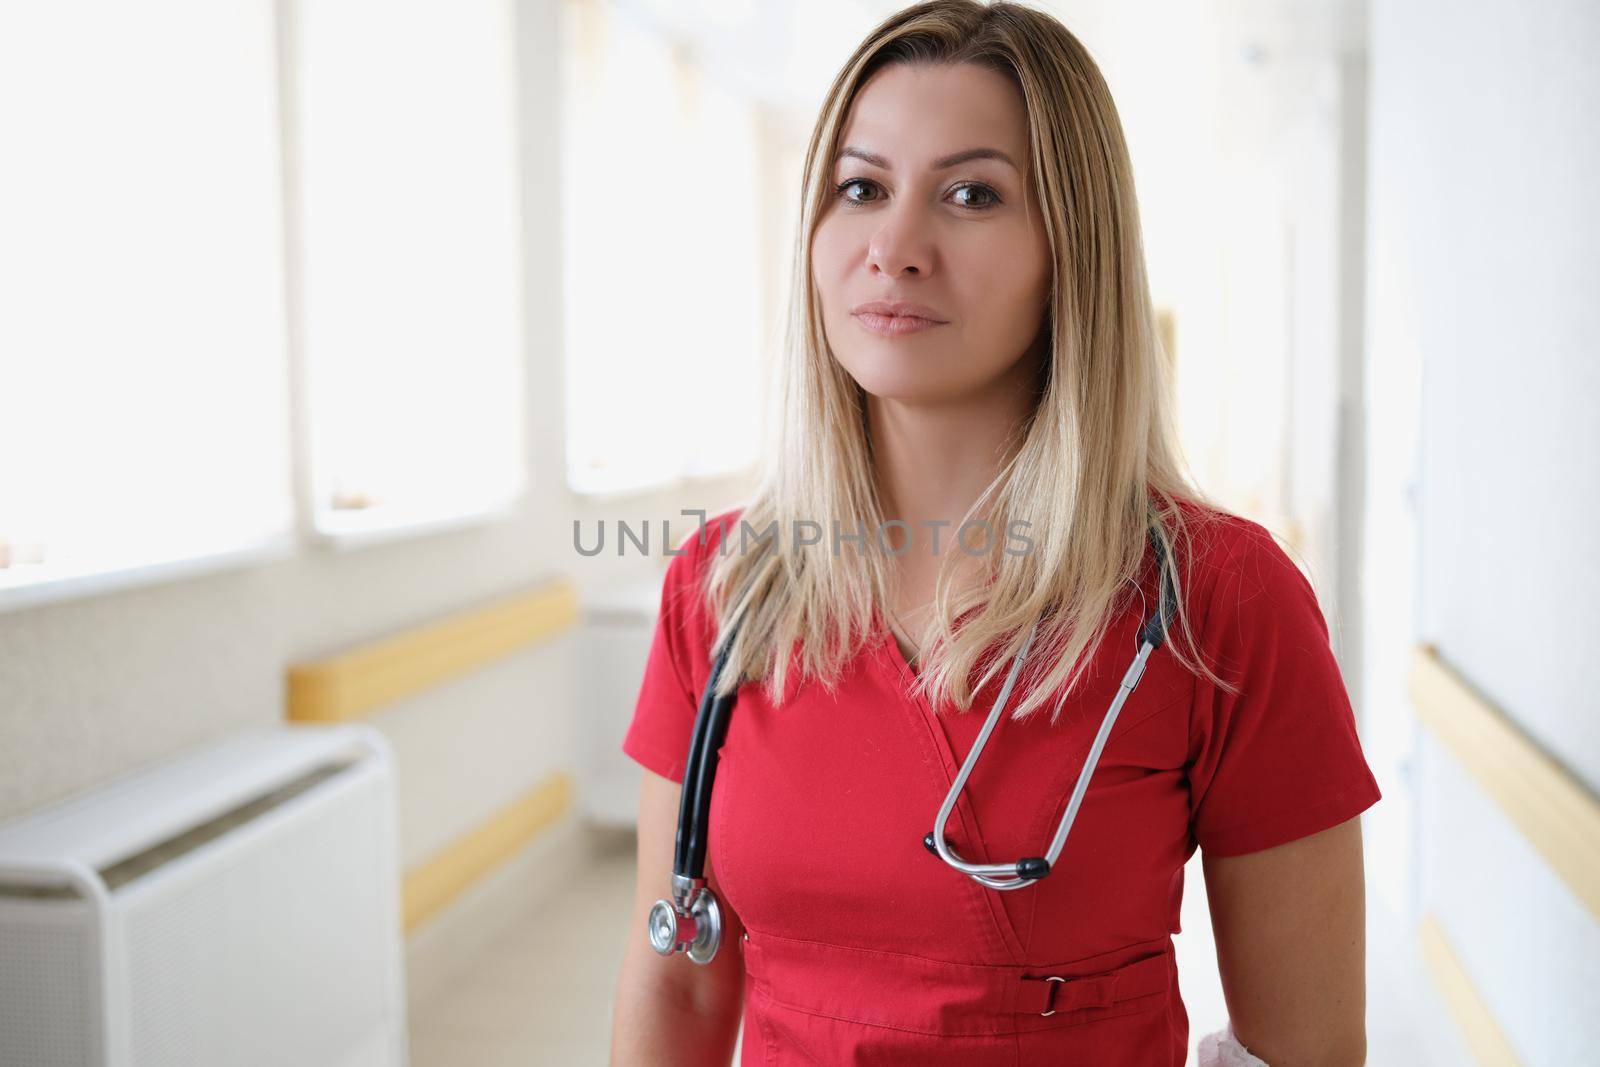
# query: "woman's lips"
895,325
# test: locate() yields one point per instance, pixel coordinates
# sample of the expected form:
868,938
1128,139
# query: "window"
404,127
663,270
156,155
143,405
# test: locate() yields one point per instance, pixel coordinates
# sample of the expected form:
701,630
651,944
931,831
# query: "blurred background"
335,334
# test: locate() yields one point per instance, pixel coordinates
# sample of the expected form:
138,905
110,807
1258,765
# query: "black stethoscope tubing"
694,806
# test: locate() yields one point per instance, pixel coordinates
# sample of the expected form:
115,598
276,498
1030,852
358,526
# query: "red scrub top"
862,947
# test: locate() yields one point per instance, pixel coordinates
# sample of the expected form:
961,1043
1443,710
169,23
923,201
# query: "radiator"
238,904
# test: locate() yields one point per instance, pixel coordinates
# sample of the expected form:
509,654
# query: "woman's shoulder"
1216,535
703,543
1221,546
685,586
685,611
1228,552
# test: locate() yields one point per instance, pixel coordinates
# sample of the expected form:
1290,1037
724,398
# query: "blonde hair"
1094,473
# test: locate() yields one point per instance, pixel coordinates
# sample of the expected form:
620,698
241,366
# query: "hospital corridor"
440,624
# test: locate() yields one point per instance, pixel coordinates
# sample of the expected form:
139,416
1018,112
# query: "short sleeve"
664,713
1280,759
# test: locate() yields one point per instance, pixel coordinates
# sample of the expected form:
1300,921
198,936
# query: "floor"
522,969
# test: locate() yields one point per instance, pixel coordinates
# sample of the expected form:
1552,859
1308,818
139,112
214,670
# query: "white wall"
1483,277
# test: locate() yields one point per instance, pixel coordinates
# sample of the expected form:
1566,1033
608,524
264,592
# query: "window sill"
372,530
65,587
657,490
30,592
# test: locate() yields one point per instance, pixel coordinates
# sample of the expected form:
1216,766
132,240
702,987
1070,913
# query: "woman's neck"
932,460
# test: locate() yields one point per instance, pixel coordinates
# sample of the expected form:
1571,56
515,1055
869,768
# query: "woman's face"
913,219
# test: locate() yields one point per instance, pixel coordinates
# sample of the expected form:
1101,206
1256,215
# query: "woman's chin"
900,375
901,384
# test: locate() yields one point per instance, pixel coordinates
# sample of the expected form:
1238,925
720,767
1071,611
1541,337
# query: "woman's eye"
983,190
841,192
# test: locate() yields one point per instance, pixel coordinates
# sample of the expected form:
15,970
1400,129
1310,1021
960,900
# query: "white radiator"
236,905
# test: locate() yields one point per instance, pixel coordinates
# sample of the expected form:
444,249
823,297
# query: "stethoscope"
691,921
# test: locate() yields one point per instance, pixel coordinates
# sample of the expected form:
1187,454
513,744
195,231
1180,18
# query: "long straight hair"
1092,474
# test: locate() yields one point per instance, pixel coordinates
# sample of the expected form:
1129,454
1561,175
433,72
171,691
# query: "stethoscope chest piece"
690,922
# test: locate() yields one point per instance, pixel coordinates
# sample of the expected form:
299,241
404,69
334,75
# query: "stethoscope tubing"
1030,869
1006,875
694,806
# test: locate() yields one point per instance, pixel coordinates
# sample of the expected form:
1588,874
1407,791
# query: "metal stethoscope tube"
1029,869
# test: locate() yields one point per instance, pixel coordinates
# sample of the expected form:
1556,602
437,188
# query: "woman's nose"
901,244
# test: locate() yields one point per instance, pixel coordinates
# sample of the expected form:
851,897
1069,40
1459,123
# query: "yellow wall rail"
1472,1016
364,679
437,880
1556,812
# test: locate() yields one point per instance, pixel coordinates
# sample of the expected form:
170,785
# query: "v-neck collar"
908,672
929,726
887,646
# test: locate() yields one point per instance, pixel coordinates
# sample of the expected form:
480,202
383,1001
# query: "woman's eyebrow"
941,163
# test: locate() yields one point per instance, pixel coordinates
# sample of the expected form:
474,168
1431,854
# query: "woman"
973,343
